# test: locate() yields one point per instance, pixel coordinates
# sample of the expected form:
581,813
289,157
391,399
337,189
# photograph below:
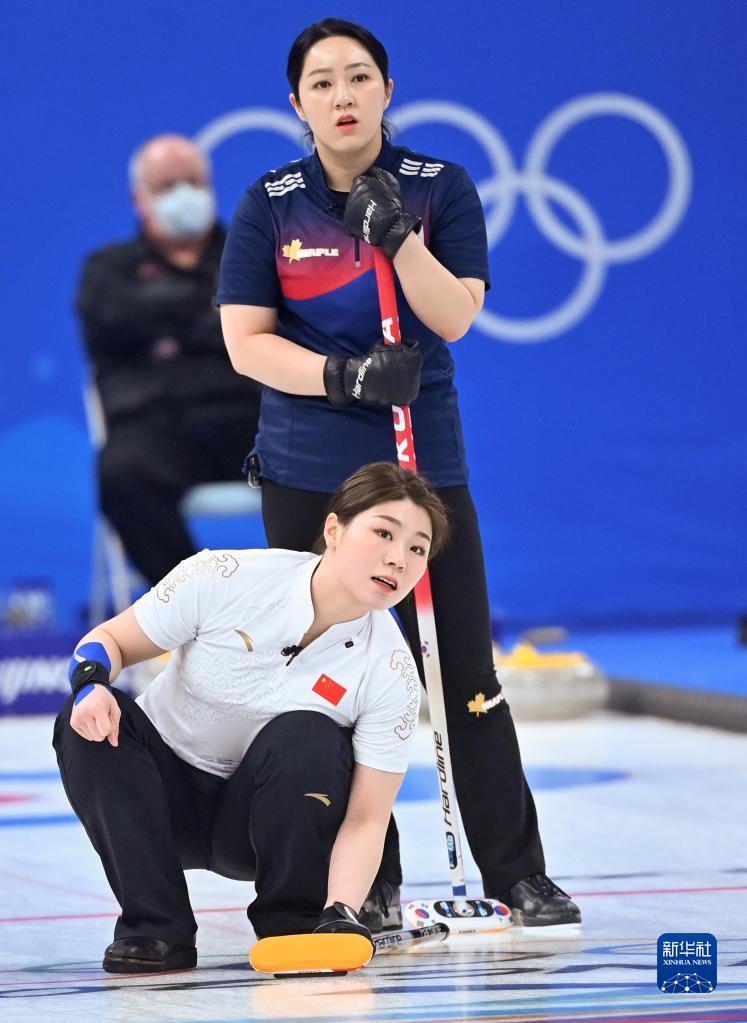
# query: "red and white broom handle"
423,597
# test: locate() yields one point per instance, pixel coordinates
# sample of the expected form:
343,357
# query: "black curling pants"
496,804
150,816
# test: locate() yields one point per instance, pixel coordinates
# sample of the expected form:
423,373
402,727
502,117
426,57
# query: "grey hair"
134,164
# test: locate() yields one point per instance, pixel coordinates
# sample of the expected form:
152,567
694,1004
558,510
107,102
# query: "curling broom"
462,915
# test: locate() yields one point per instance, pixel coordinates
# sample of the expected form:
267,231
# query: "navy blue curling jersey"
287,249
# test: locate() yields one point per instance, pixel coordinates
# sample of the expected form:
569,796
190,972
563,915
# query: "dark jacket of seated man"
176,412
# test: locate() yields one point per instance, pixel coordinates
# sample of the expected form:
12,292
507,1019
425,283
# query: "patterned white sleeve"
386,726
172,612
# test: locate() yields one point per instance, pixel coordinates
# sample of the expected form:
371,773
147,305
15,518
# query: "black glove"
387,375
374,211
339,918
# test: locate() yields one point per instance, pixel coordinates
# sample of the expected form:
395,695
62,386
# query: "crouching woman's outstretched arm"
99,657
356,854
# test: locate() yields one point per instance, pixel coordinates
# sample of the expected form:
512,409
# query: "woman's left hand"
375,213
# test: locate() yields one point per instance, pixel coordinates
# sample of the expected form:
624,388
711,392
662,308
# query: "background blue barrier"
602,391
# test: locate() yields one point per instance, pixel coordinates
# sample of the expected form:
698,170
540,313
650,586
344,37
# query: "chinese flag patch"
328,689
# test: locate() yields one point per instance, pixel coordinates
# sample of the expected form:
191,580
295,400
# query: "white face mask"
185,211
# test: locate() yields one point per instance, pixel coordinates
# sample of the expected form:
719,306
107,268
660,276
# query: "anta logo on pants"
328,689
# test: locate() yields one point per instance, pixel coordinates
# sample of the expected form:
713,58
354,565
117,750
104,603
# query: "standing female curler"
299,310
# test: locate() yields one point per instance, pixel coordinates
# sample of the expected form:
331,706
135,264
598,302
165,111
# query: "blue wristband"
83,693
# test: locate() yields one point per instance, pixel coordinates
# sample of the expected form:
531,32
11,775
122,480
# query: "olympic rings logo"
500,192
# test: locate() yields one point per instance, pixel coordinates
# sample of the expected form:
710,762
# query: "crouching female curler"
272,745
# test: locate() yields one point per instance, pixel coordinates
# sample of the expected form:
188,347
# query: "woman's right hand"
374,211
386,375
96,716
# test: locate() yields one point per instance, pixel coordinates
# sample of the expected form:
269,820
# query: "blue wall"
607,446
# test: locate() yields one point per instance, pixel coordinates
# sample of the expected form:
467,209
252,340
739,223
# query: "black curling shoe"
148,955
382,910
538,902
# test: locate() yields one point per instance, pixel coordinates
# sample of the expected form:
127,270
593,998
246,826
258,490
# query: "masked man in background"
176,413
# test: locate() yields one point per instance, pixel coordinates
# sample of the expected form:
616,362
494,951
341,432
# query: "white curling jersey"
227,615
